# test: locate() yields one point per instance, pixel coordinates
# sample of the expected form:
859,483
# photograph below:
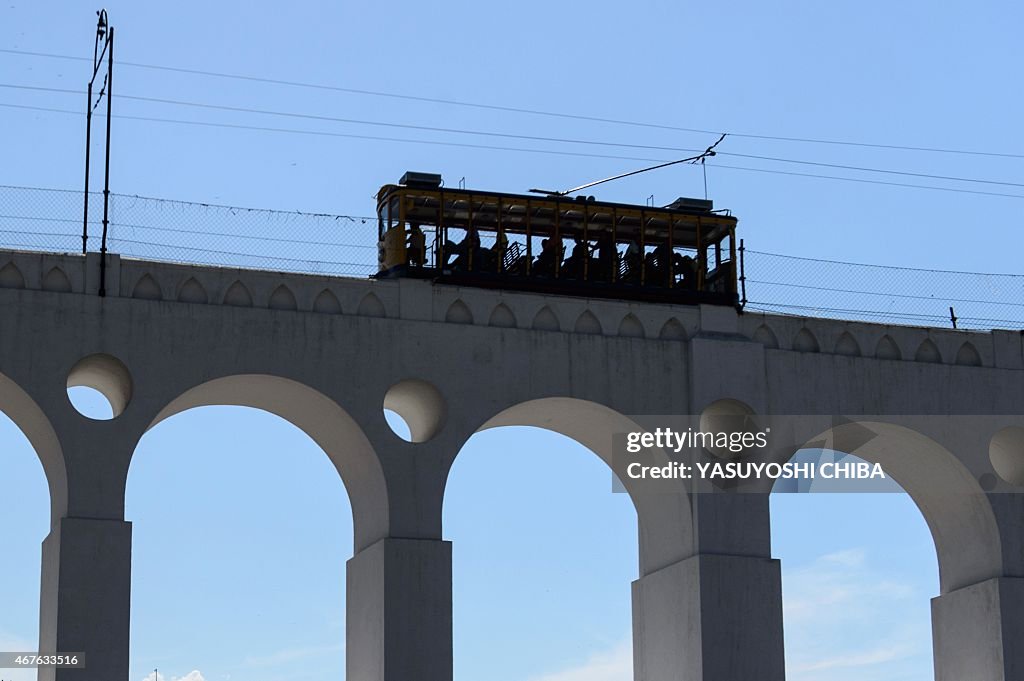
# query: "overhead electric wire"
534,112
356,121
841,166
536,138
864,180
323,133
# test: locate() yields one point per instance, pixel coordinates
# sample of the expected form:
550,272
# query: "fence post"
743,277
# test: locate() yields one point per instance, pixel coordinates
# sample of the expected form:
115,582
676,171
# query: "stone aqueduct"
327,353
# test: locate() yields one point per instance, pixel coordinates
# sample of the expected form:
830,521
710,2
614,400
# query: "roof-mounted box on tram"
685,252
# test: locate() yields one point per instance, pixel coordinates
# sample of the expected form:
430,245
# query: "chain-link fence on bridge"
345,245
195,233
894,295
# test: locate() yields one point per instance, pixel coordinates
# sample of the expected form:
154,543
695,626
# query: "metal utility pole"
103,46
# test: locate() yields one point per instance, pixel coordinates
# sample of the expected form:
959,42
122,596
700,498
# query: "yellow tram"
685,252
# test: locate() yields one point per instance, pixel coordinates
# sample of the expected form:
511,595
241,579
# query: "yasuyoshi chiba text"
756,470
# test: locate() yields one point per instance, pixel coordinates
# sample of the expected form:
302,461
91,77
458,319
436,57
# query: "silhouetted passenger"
497,253
607,258
578,263
688,272
544,265
465,252
416,246
659,263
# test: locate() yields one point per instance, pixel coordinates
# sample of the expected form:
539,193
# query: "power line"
536,138
325,133
534,112
872,170
863,180
356,121
322,133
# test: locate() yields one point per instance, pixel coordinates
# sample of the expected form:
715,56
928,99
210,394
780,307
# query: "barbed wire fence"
194,233
810,287
147,228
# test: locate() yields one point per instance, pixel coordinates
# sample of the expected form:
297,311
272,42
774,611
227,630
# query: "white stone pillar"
709,618
399,621
977,632
85,597
715,615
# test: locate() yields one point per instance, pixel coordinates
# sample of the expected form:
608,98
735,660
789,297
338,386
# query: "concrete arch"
502,317
587,323
888,349
968,355
371,306
30,419
928,352
631,327
458,313
847,345
11,276
672,330
766,337
949,497
546,320
146,288
664,519
56,280
327,303
192,292
238,295
805,341
319,417
282,299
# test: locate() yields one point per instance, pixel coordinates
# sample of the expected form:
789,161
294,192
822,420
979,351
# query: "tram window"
389,214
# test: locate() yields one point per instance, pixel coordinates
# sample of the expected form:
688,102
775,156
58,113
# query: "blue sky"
909,73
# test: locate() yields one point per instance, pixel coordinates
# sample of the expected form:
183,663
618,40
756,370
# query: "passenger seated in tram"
687,272
544,265
462,251
496,255
607,259
658,265
578,263
416,246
